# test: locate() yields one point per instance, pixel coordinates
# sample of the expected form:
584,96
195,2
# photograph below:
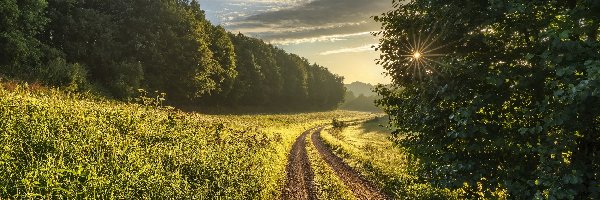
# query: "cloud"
314,21
350,50
332,33
324,11
225,11
330,38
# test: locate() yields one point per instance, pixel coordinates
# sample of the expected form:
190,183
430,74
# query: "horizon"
339,39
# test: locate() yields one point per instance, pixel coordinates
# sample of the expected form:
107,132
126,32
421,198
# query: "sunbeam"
423,54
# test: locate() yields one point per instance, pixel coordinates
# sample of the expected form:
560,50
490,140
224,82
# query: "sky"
332,33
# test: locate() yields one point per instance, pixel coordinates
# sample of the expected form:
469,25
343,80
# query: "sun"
417,55
422,50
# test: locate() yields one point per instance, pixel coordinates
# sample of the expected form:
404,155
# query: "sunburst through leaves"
422,50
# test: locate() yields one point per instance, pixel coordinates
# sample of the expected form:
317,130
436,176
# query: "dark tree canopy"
268,76
20,23
513,107
116,47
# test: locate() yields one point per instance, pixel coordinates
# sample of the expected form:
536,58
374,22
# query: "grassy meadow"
369,148
61,145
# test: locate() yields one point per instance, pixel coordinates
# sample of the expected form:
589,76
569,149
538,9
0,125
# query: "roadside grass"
59,145
368,148
327,184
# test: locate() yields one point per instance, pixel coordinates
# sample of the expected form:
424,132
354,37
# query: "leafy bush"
20,23
336,123
60,73
512,108
126,79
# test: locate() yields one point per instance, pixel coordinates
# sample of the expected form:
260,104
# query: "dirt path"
299,174
361,188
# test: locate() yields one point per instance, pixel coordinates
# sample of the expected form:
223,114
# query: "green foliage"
156,101
325,90
20,23
515,109
60,73
54,145
126,79
161,45
224,53
337,123
268,76
167,45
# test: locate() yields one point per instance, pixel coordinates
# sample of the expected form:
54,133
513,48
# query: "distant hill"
360,97
358,88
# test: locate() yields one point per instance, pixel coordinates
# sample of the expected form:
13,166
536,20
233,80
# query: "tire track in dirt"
361,188
299,173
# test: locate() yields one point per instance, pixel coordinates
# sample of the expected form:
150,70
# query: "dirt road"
361,188
299,174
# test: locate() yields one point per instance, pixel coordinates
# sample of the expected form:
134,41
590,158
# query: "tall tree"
21,22
165,45
160,45
224,52
512,108
295,76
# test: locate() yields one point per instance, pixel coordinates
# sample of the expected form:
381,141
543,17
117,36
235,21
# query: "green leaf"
529,56
559,92
560,72
565,34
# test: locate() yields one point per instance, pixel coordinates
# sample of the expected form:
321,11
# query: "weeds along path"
299,174
361,188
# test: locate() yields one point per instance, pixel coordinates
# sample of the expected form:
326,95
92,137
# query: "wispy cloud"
226,11
350,50
330,38
285,27
325,11
311,21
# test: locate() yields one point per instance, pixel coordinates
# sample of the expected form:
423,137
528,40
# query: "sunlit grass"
56,145
367,147
327,184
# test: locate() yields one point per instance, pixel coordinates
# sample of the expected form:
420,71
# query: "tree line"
115,47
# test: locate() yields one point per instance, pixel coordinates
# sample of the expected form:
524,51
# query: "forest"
114,48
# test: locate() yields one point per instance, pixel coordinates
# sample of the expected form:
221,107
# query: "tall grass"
327,184
55,145
369,149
